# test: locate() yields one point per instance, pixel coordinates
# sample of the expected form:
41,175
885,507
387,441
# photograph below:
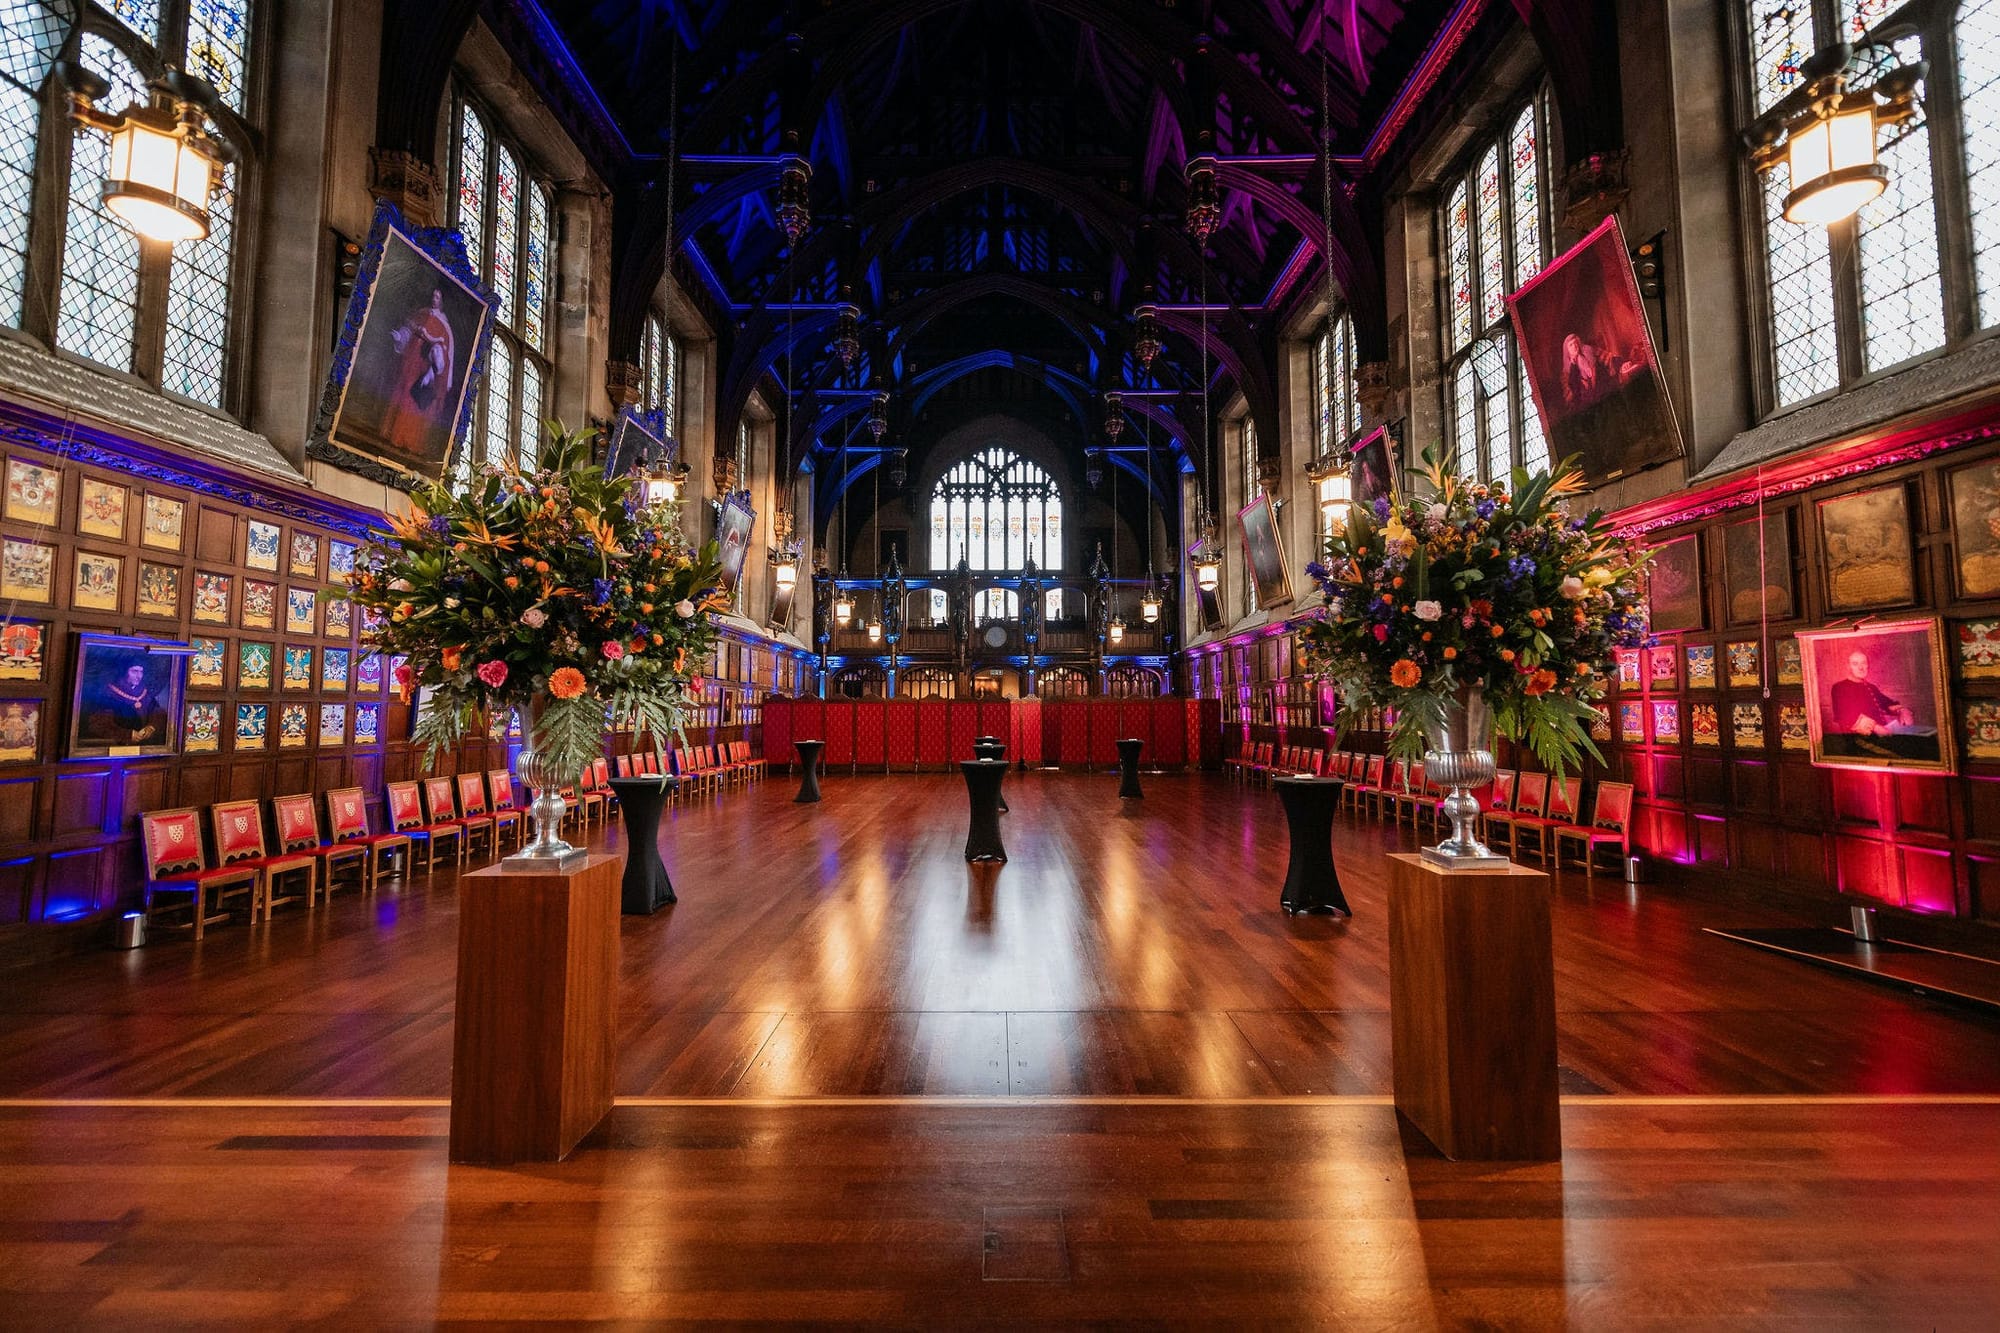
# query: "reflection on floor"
1181,1107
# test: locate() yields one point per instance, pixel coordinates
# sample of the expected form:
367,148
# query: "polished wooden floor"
1108,1081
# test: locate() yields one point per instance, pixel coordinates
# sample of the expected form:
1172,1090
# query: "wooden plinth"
1472,1009
534,1044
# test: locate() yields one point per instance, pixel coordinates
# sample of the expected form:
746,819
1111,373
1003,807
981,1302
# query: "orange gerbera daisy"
566,682
1405,674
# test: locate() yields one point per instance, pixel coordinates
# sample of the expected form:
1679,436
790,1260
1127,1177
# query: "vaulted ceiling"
995,184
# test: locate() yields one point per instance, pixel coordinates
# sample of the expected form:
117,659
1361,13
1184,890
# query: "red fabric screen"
1135,720
808,721
839,733
995,720
901,743
1052,725
1027,737
1075,730
931,750
1103,731
778,731
962,724
870,738
1170,728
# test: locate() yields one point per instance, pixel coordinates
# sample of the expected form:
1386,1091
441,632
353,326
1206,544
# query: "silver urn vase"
1460,756
545,781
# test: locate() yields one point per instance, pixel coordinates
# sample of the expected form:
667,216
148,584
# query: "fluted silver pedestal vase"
1461,756
545,780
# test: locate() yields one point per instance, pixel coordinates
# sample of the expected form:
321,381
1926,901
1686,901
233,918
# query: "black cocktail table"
646,887
1128,768
1311,885
982,790
808,771
990,747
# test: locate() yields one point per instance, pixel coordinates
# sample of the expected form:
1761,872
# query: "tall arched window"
659,372
163,313
1918,268
1494,230
999,510
507,216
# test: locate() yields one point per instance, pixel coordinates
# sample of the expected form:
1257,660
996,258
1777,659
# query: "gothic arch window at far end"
169,315
998,510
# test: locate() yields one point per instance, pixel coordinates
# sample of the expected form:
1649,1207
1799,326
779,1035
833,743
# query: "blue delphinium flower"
1316,571
1485,508
1520,568
601,589
1381,509
439,525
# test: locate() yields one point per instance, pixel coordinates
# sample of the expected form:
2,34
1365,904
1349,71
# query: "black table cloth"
808,771
990,747
646,888
982,790
1128,768
1311,885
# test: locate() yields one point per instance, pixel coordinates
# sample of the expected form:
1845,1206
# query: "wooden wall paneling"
1922,803
1866,867
1929,879
19,876
1983,885
1708,780
74,878
1711,841
82,797
251,778
1750,786
1859,798
20,806
1669,775
1805,799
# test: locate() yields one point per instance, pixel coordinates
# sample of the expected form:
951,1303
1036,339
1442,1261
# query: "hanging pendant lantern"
1150,602
1204,210
878,417
899,468
847,335
1093,468
1146,334
1333,488
843,606
163,163
794,198
1826,136
1114,415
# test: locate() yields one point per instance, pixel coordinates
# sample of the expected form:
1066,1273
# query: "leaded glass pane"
499,391
31,33
535,270
1805,353
1781,37
1902,296
98,312
1344,415
471,202
141,16
1976,30
670,366
1524,175
1534,443
1323,389
531,413
997,509
1458,267
1492,245
1858,16
1249,460
1465,417
218,45
198,303
649,364
18,119
1498,453
506,230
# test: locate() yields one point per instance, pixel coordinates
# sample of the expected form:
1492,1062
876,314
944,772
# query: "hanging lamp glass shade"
1832,160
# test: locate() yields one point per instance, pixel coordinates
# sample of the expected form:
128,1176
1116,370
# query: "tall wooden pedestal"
534,1045
1472,1009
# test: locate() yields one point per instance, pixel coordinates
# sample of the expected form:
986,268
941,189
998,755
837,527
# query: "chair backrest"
1503,790
298,822
173,843
1374,770
406,807
624,765
439,798
239,831
1614,806
1416,777
348,813
500,785
471,794
1531,793
602,767
1565,798
1399,777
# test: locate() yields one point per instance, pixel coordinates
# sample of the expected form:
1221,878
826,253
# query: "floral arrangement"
557,591
1497,588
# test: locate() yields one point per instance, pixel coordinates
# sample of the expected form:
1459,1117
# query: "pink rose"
1381,634
403,675
493,673
613,650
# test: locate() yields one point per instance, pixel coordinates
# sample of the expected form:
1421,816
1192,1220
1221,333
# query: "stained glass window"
1976,33
198,303
218,45
670,380
1495,225
535,271
471,203
31,34
98,314
649,364
972,507
141,16
499,388
531,414
1249,459
500,273
1781,37
1458,267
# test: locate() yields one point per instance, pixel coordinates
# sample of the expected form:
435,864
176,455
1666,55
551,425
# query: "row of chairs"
468,814
1522,812
702,769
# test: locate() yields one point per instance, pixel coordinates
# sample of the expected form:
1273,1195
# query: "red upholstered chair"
501,800
1610,826
176,864
298,831
624,765
602,767
1499,797
239,843
1531,797
1411,799
347,813
1354,796
1565,807
406,816
441,804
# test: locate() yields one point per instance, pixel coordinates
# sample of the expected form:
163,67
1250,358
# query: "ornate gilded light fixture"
1825,133
847,334
1146,334
1333,487
899,467
794,197
1204,210
1114,415
878,416
164,164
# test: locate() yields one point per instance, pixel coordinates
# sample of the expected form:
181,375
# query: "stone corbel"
407,181
1594,188
624,382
